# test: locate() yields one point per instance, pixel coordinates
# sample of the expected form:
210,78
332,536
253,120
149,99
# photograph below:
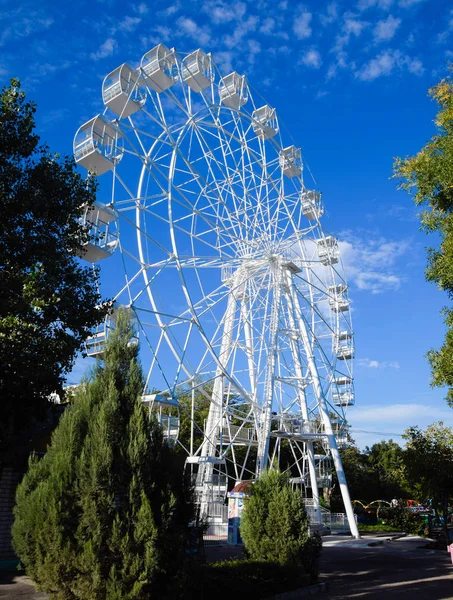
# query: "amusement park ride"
238,294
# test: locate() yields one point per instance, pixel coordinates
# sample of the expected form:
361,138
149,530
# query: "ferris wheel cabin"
233,90
159,69
96,145
120,91
328,252
197,71
265,123
291,161
101,221
312,207
338,301
344,393
344,348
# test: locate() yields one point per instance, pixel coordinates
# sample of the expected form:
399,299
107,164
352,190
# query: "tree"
103,515
429,463
430,174
387,460
274,525
49,300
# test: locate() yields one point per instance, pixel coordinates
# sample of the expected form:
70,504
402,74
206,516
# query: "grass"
378,528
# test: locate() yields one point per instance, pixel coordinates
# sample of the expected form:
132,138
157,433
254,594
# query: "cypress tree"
104,515
275,528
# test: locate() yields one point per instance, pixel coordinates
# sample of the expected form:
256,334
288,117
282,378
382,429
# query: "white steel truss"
238,292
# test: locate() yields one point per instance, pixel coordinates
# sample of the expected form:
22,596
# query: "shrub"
274,525
103,515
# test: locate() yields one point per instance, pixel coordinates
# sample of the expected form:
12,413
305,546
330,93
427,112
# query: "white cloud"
370,263
190,28
301,25
128,24
409,3
366,363
366,4
105,49
386,29
330,15
386,63
410,413
224,12
240,32
311,58
267,26
141,8
351,27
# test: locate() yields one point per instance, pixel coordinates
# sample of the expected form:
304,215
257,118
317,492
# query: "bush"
403,519
274,526
103,516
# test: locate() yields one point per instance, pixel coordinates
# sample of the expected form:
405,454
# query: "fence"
216,534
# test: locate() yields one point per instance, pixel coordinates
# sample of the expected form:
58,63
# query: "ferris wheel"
238,293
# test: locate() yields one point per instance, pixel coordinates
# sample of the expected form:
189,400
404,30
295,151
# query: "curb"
301,592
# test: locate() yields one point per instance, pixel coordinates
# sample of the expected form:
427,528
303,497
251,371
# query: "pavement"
382,567
372,568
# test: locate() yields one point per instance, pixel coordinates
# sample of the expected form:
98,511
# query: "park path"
395,570
390,570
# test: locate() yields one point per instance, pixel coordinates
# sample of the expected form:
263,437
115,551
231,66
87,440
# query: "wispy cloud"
386,63
189,27
386,29
331,14
370,263
366,363
311,58
105,49
129,24
301,25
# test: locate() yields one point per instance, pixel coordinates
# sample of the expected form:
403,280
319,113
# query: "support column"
325,417
301,395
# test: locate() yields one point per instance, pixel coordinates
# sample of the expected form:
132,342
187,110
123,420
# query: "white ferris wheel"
238,293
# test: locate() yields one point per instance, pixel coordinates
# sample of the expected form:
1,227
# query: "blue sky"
349,81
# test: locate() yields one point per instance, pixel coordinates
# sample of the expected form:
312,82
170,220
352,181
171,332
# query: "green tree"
429,174
429,464
49,300
103,515
386,458
274,525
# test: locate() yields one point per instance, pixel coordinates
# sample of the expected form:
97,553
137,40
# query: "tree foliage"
429,175
429,462
103,515
274,525
49,299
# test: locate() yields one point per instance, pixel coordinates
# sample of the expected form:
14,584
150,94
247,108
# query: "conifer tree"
274,525
103,515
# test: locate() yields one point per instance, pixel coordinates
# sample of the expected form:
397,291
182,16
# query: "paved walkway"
393,570
388,570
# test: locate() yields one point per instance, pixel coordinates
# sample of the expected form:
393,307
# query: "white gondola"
96,145
233,90
197,70
103,231
341,431
343,347
328,252
265,123
159,69
121,92
312,207
166,410
291,161
343,394
338,300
